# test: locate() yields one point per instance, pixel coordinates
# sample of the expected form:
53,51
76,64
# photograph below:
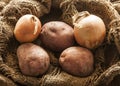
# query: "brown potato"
77,61
33,60
57,35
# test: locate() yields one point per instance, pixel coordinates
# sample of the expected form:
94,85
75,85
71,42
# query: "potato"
33,59
77,61
57,36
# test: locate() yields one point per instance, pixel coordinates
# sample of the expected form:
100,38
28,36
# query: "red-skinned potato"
77,61
89,30
57,36
33,59
27,28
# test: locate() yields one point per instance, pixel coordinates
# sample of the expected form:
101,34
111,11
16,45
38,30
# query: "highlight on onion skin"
27,28
77,61
89,30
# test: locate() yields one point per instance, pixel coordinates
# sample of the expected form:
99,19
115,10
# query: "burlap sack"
106,56
16,8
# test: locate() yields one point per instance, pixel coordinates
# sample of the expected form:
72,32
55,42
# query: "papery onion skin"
89,31
27,28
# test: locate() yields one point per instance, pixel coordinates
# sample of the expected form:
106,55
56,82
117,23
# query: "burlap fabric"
106,56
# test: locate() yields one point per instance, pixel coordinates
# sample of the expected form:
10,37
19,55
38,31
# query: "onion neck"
79,16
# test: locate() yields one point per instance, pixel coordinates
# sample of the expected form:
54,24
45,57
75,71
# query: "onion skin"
27,28
77,61
89,31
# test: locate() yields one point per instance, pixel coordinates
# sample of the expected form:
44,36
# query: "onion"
89,30
27,28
